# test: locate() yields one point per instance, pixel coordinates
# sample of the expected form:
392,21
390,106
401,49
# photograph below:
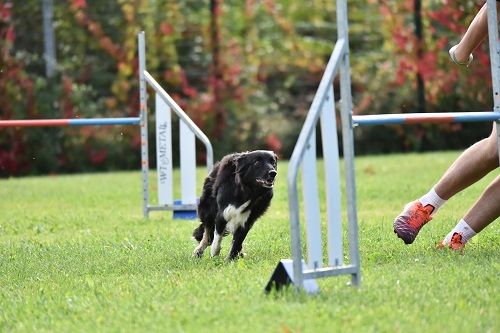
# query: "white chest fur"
235,216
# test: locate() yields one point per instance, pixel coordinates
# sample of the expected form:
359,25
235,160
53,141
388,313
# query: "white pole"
164,151
144,124
332,179
311,205
188,164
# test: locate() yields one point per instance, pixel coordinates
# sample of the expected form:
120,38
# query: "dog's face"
257,168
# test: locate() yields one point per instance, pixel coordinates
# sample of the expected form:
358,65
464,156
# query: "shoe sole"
407,234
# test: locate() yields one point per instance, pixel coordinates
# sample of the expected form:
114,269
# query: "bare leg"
486,209
474,163
474,36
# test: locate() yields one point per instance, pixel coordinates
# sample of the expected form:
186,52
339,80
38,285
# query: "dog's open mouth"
268,183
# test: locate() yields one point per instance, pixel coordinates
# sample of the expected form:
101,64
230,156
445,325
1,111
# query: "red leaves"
5,17
10,163
166,28
427,65
112,49
78,4
178,77
429,57
78,7
449,17
10,36
274,143
66,102
404,67
98,156
5,11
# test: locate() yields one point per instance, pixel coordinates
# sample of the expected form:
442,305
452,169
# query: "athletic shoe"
455,244
411,220
454,58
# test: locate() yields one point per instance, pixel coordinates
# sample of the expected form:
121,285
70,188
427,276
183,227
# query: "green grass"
77,255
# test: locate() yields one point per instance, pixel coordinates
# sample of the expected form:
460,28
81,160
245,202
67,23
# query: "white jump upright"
188,164
188,132
495,61
302,275
164,166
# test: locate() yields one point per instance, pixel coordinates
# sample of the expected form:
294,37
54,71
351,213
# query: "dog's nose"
272,174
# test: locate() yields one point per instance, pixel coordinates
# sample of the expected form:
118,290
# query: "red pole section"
34,123
70,122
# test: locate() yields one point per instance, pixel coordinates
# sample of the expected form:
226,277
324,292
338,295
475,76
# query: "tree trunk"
420,41
216,77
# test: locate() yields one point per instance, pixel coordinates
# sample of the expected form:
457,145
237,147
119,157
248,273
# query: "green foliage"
77,255
448,88
246,73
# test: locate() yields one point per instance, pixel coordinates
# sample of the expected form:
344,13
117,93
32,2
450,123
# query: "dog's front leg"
238,238
198,252
220,226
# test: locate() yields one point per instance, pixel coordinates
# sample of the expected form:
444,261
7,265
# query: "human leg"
486,209
473,164
474,36
481,214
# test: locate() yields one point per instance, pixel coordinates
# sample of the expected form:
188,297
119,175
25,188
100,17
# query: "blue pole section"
104,121
419,118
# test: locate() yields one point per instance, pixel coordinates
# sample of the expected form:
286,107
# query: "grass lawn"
77,255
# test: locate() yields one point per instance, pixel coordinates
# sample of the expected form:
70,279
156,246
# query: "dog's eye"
257,163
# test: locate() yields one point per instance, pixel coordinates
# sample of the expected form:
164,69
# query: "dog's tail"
198,232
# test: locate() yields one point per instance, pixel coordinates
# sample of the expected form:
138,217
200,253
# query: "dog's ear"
239,164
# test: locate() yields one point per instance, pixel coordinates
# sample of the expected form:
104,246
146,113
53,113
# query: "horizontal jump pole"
70,122
420,118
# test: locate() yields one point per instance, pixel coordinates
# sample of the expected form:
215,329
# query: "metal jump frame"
163,103
304,154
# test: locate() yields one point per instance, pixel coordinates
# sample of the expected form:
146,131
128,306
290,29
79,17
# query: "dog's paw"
197,253
233,257
214,254
214,250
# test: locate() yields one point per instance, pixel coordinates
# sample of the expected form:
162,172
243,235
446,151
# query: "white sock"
462,228
431,198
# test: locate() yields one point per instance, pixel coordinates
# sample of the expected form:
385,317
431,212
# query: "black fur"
236,179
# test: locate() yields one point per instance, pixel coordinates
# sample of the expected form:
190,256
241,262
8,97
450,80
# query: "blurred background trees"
245,71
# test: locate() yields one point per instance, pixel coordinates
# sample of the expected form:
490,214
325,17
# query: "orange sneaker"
456,243
411,220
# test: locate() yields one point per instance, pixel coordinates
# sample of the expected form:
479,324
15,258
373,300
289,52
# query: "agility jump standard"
188,130
297,272
184,208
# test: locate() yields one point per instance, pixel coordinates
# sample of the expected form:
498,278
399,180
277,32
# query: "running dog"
235,194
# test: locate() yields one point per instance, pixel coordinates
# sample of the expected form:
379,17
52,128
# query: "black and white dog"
235,194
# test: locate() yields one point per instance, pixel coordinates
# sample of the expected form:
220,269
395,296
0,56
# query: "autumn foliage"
246,72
